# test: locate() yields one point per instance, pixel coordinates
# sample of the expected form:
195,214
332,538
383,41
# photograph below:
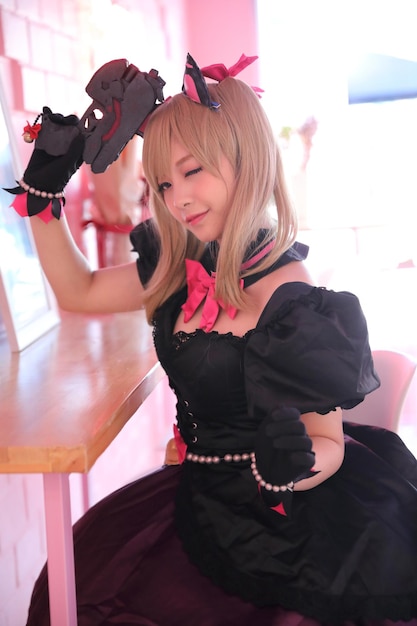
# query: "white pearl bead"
266,485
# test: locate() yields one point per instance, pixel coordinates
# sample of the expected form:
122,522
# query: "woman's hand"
283,449
171,453
58,154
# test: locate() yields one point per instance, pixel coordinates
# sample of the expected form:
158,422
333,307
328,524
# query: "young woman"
273,511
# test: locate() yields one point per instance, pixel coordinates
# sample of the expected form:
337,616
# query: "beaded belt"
227,458
236,458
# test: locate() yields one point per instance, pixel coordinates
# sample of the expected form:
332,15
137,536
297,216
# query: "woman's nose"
181,201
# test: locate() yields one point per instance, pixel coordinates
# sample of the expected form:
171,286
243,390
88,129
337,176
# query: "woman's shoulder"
296,291
145,242
269,282
315,341
145,235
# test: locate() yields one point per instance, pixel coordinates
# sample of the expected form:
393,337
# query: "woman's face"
194,196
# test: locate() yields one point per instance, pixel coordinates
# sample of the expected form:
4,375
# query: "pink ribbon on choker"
201,286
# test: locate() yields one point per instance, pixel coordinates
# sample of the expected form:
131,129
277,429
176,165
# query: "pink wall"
219,31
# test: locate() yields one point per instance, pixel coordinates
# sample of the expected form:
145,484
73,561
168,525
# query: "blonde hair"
241,132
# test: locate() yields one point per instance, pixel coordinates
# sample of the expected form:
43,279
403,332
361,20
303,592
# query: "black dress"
195,544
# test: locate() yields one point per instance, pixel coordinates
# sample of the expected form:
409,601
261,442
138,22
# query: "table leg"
85,492
60,549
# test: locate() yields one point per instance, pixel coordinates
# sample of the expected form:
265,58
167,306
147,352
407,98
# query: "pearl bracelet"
263,483
37,192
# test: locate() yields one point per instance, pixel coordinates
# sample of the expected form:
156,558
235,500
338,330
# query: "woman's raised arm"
77,287
58,153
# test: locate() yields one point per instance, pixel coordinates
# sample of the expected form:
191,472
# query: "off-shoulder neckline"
291,286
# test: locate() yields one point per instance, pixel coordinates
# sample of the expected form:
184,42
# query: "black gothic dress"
194,545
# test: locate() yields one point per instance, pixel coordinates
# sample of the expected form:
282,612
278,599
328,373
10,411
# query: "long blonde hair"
240,131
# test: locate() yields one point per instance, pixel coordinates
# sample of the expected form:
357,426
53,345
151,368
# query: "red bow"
218,71
180,444
32,130
201,285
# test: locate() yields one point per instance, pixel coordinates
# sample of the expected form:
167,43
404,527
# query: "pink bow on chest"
201,286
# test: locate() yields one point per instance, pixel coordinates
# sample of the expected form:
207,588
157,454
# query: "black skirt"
131,566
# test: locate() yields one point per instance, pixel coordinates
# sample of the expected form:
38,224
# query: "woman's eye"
163,187
194,171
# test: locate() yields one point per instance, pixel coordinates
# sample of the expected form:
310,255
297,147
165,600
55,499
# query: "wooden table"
62,402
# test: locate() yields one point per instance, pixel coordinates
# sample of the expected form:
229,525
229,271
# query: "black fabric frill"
309,350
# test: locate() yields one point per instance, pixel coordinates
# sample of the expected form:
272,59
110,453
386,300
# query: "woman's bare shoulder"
296,271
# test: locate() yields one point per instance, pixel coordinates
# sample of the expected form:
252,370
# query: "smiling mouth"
191,220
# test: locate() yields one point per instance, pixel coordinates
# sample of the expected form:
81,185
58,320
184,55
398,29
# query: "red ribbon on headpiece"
201,286
218,71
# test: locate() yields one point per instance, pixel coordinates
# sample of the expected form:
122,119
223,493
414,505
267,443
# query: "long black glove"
283,456
57,156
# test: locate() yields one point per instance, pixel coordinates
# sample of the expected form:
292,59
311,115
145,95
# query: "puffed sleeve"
145,242
309,350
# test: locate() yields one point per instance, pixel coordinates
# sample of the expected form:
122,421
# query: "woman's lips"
192,220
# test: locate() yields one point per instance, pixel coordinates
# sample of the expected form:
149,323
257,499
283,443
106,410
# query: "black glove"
283,454
57,156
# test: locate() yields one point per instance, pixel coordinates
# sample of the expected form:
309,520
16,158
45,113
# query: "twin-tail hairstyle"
235,125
